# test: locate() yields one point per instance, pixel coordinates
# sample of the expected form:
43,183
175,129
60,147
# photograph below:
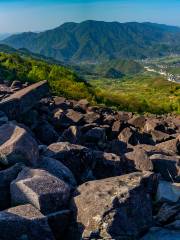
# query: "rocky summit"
72,171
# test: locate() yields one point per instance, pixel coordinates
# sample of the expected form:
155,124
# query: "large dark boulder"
6,177
46,133
113,208
167,166
57,169
17,145
41,189
23,100
85,164
24,222
138,159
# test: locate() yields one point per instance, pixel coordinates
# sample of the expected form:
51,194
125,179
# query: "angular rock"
86,164
168,192
6,177
138,121
46,133
72,135
167,166
82,105
57,169
159,136
60,120
60,102
109,208
24,222
106,165
132,136
117,147
124,116
17,145
170,146
22,101
41,189
167,213
92,117
74,116
16,85
116,128
153,124
138,159
58,223
95,135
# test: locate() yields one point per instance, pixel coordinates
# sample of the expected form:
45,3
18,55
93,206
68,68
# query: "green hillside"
62,80
96,41
139,93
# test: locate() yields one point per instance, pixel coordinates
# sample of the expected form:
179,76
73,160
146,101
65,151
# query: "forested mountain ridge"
96,41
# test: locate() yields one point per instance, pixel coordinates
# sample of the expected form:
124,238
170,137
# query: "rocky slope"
69,170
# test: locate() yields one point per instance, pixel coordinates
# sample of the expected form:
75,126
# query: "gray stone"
72,135
138,121
59,222
84,162
23,100
168,192
95,135
17,145
138,159
167,213
46,133
41,189
57,169
113,208
24,223
167,166
6,177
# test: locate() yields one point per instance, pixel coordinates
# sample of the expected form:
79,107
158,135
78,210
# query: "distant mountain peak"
94,41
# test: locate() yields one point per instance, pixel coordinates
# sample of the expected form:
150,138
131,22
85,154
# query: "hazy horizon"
27,15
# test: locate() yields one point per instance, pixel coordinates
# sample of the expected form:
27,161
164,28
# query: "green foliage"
140,93
94,41
137,93
62,80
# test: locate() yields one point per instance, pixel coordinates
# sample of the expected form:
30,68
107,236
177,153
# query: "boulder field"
72,171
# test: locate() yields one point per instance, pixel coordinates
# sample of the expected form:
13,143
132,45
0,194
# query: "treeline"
65,82
62,81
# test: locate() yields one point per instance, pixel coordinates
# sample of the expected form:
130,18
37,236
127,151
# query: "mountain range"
97,41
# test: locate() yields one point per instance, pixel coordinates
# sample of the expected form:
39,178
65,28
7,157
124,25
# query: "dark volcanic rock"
95,135
138,121
17,145
167,166
113,208
6,177
138,159
72,135
41,189
46,133
86,164
57,169
22,101
92,117
58,222
24,222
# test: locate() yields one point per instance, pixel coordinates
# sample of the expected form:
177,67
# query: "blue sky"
38,15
